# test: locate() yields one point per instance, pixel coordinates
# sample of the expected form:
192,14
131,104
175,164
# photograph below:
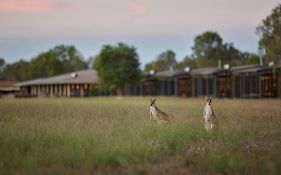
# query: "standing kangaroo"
156,114
209,117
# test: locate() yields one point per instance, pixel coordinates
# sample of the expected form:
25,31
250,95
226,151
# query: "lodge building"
247,81
67,85
8,88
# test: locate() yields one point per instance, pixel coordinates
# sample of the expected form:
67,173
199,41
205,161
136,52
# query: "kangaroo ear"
212,97
206,97
152,101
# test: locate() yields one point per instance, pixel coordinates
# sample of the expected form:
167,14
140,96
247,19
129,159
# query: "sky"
28,27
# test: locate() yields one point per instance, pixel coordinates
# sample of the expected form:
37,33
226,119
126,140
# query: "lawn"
106,135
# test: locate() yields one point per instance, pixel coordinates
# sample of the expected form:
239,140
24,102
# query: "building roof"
166,74
7,85
246,68
162,74
243,67
205,71
79,77
236,70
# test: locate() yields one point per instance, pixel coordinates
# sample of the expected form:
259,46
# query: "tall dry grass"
114,136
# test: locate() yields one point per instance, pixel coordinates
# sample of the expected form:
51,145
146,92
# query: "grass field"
114,136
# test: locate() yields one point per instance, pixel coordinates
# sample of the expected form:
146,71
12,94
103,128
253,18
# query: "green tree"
186,62
163,61
250,58
18,71
270,35
231,55
45,65
209,48
58,60
117,66
71,58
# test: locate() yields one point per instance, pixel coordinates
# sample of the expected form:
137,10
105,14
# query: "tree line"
58,60
119,64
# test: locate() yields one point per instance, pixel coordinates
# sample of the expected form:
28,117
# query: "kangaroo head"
208,100
152,102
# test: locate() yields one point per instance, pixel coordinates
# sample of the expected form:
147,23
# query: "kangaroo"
209,118
156,114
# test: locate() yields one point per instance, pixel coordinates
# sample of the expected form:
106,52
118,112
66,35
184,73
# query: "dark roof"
211,71
255,68
242,67
83,76
162,74
166,74
235,70
205,71
6,85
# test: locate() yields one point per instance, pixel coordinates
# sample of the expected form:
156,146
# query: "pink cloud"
32,6
136,7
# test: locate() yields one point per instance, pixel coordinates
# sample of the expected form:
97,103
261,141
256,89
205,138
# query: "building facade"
8,88
247,81
77,84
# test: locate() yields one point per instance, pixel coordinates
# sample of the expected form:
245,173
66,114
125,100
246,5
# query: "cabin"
184,83
133,90
150,84
269,76
159,83
8,88
224,82
75,84
205,81
246,81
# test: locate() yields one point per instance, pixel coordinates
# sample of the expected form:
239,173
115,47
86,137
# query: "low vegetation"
114,136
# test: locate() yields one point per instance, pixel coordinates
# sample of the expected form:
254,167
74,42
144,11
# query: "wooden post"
81,90
40,90
51,91
176,86
32,90
193,82
68,90
63,90
215,86
232,86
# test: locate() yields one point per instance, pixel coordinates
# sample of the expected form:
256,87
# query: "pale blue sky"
29,27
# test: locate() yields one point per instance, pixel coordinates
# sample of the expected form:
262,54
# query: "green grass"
111,136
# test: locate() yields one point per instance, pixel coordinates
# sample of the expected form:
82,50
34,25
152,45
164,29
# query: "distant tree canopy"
117,66
209,48
270,35
164,61
61,59
186,62
18,71
250,58
58,60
